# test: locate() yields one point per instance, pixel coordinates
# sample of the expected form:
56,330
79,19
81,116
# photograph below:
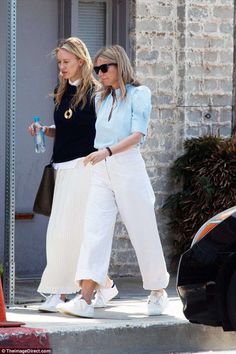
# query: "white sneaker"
103,295
77,307
156,303
50,304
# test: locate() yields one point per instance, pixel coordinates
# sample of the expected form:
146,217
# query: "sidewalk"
121,328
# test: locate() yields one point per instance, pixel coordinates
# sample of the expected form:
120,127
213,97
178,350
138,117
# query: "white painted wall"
37,35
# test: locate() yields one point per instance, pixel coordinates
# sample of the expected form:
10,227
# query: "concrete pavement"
121,328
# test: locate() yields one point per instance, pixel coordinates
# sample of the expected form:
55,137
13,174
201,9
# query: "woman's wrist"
106,153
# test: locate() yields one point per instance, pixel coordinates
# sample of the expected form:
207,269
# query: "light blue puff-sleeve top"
129,115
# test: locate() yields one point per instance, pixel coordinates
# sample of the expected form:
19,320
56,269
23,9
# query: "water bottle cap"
36,119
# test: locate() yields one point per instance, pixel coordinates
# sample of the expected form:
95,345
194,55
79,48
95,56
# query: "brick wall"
183,51
208,66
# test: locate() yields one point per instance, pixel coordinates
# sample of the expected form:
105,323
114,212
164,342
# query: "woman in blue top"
119,183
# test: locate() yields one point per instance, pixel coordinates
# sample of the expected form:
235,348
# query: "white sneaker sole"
78,314
52,310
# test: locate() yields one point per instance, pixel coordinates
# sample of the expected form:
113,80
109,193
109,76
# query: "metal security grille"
9,240
92,24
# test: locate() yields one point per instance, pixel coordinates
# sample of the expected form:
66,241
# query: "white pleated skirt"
65,229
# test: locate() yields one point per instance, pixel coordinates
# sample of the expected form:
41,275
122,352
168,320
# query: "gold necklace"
68,113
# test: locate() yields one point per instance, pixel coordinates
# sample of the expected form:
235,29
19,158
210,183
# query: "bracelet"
109,150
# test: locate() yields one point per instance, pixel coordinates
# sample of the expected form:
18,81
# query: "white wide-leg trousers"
65,229
120,183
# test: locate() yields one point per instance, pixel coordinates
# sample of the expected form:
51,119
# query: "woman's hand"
31,129
96,157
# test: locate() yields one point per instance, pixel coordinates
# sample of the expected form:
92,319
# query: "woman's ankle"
88,287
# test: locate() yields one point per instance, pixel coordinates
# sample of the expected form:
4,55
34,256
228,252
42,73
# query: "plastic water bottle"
39,140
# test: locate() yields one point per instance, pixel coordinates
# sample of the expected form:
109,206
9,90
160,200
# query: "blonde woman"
119,183
74,133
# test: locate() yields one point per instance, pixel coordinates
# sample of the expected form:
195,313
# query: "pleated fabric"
65,229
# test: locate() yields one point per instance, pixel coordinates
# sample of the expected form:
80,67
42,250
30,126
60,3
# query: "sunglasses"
104,68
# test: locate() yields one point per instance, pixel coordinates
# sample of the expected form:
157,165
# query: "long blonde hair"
116,54
77,47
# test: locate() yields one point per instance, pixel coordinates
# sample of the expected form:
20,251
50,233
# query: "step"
121,328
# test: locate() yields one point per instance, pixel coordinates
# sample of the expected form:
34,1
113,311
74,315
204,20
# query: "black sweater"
74,136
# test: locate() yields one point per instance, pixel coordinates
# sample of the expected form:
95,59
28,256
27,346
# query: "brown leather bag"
44,196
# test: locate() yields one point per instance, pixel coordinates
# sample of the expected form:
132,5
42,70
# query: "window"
91,21
96,22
